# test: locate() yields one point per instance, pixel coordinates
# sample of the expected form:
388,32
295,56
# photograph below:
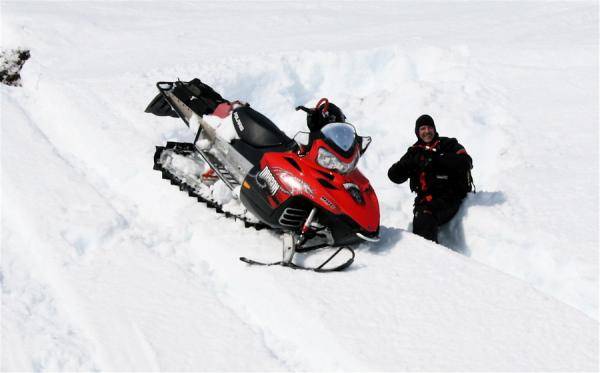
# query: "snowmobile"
310,191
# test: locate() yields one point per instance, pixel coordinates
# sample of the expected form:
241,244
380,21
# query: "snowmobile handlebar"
305,109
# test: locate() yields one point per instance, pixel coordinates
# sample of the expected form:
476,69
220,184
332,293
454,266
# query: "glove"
424,158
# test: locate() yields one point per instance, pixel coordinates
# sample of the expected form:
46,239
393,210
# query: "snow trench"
467,102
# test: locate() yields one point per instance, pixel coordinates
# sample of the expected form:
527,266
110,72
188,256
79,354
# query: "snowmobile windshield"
342,135
342,138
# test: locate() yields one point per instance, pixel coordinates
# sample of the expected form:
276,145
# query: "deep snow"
106,266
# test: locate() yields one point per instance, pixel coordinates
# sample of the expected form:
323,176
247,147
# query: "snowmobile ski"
319,268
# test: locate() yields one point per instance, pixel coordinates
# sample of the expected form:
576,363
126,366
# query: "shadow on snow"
452,234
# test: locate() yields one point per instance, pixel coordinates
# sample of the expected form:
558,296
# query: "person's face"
426,133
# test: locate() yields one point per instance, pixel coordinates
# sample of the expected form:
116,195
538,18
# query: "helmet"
330,112
324,113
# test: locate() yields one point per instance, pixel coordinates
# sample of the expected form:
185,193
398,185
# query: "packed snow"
105,266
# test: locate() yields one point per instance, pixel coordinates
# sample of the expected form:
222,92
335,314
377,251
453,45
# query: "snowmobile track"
184,149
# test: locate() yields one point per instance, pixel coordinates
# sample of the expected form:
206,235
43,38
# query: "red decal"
423,181
223,110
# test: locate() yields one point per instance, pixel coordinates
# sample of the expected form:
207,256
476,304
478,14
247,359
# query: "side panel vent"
293,217
326,184
327,175
293,163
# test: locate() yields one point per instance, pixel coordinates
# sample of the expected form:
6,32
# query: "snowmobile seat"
257,130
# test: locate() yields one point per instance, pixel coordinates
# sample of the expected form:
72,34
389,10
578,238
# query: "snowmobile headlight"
328,160
292,184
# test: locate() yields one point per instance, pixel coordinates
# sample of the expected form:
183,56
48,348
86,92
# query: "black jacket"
435,173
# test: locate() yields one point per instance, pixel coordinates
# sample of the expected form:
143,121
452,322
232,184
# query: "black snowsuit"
436,174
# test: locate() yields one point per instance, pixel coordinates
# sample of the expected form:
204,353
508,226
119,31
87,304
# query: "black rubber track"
183,148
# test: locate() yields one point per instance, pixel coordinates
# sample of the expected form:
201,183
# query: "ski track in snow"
82,244
107,267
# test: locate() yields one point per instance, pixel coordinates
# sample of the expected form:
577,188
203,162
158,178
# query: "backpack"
465,184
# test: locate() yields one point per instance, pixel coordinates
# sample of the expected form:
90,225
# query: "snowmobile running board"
219,169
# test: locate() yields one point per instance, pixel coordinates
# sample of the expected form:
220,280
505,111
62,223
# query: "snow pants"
429,216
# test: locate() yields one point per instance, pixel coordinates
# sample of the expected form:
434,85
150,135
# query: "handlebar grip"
305,109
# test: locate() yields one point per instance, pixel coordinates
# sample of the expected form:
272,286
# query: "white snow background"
105,266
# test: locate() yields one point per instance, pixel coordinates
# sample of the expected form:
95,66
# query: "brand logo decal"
328,203
238,121
266,176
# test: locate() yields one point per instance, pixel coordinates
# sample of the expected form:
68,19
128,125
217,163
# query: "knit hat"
424,120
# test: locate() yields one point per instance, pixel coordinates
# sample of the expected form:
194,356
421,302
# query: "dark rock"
11,62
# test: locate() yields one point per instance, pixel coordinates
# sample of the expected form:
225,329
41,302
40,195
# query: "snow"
224,128
104,266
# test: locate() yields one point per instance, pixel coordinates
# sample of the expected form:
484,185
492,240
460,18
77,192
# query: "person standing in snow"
439,172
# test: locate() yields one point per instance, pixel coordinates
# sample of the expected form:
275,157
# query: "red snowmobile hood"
348,194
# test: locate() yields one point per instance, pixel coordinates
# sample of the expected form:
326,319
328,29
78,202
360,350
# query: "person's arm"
455,158
401,170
